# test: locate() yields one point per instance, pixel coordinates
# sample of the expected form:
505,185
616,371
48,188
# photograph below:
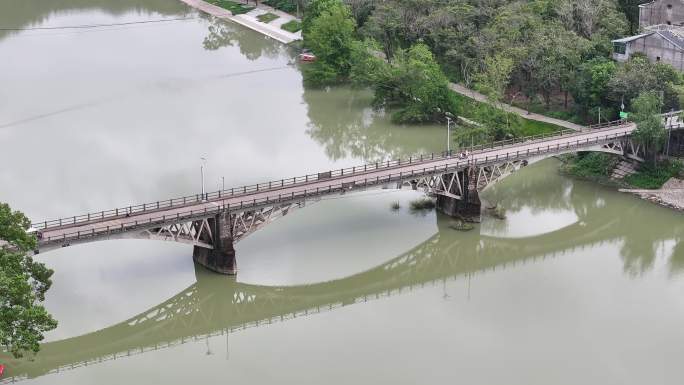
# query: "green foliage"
593,164
591,85
494,80
639,75
234,7
653,177
650,131
288,6
267,17
23,284
331,38
313,10
413,83
292,26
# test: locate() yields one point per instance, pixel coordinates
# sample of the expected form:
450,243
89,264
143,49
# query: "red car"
307,56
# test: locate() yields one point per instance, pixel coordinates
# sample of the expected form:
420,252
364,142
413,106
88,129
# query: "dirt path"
529,116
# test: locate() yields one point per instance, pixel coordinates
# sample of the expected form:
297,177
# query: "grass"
267,17
292,26
528,127
650,177
395,206
234,7
422,204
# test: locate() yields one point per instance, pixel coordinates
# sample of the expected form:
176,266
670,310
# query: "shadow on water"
216,305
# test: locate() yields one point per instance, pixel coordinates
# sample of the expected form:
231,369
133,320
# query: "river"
579,284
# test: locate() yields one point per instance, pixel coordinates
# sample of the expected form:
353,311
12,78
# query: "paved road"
531,116
359,177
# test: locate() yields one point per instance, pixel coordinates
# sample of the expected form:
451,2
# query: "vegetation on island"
23,284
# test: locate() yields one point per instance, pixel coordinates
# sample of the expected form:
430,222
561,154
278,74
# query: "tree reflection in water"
342,120
227,34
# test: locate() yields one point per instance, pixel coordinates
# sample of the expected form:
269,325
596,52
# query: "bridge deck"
53,231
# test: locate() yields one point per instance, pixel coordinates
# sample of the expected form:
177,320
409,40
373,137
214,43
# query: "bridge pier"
221,258
469,205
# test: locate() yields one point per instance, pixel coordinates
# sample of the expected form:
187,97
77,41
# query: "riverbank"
670,195
608,170
251,19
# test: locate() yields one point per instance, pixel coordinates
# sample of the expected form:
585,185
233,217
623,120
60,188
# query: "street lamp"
448,136
204,161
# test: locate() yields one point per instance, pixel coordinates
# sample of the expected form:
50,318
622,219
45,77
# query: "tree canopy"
23,284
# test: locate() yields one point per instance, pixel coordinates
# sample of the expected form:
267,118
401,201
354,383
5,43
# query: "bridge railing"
305,193
125,212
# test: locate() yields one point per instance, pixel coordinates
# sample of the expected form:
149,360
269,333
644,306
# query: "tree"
414,84
23,284
330,37
590,87
650,131
314,9
494,80
638,75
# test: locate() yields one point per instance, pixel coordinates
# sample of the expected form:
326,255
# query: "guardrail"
306,193
124,212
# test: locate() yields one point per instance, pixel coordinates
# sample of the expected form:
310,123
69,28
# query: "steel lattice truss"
246,222
197,232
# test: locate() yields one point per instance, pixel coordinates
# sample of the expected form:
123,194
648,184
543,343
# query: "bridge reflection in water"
217,305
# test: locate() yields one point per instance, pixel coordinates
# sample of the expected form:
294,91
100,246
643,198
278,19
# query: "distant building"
660,43
668,12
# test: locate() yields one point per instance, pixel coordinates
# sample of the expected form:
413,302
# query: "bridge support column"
467,207
221,258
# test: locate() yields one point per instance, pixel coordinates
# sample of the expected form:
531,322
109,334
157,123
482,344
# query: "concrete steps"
623,169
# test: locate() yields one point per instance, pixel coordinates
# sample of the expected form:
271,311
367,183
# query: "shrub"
593,164
650,177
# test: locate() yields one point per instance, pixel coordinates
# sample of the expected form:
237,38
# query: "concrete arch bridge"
213,222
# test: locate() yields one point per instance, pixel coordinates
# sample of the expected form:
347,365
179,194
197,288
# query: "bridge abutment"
469,205
221,258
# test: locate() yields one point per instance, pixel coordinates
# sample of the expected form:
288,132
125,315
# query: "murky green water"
578,285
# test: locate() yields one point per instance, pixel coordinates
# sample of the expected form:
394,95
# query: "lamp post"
204,161
448,136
